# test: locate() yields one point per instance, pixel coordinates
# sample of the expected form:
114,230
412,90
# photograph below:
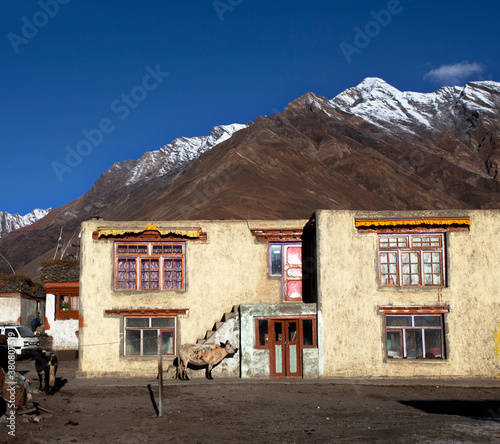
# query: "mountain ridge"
372,147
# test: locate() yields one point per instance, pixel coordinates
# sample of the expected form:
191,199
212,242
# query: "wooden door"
292,273
286,352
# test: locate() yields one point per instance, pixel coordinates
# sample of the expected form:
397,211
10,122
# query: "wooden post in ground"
160,377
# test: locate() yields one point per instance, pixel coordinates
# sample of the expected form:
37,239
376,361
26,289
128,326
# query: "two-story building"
345,294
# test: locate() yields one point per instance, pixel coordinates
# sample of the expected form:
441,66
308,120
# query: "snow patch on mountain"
384,105
10,222
177,153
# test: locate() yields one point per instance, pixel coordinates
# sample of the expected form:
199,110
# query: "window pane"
276,260
133,342
11,333
278,331
307,332
394,344
263,331
63,303
427,321
292,331
167,342
73,303
388,268
414,343
150,342
398,321
137,322
432,268
391,242
433,344
162,322
411,274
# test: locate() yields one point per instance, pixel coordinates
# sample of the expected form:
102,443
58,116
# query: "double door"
285,348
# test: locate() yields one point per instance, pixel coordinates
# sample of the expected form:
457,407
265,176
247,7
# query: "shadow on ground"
484,410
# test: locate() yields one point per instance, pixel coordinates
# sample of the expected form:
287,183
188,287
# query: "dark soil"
202,411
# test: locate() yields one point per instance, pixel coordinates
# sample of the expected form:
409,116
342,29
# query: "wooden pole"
160,377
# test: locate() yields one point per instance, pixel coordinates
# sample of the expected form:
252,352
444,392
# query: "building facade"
347,294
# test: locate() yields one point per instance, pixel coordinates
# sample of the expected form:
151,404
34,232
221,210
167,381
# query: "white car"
21,338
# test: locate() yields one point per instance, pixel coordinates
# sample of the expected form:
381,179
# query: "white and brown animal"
202,355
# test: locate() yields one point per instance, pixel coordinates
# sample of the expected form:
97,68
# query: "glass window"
276,260
307,332
414,336
142,333
263,329
150,266
421,264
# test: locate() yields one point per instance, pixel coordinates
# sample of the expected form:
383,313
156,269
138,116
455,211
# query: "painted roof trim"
427,221
278,234
194,233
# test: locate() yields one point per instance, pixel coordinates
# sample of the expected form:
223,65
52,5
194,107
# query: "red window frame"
150,266
411,260
262,338
416,332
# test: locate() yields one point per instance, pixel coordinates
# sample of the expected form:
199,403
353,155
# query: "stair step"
235,309
229,315
218,325
209,334
200,341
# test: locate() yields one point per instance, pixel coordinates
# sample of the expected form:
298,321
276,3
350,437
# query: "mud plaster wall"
14,307
63,331
231,268
255,362
349,298
10,309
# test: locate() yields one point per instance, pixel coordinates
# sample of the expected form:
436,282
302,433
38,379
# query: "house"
345,294
61,279
20,300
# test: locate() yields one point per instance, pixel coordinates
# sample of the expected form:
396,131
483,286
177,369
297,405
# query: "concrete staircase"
225,317
225,329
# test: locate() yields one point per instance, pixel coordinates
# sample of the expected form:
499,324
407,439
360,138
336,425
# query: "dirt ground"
235,411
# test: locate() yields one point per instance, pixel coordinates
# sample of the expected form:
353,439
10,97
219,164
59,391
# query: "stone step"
209,334
218,325
229,315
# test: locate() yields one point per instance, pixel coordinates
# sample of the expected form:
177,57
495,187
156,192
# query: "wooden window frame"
300,320
69,313
149,254
159,330
412,246
402,334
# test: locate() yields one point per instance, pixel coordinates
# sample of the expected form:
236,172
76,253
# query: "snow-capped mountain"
372,147
170,158
381,104
10,222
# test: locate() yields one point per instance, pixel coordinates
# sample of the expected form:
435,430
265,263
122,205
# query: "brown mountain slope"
312,156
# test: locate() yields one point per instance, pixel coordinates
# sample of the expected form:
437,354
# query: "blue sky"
116,78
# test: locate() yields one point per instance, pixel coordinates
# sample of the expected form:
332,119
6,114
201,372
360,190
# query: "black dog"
46,367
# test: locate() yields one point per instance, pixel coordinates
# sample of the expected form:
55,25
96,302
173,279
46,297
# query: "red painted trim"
146,312
424,309
62,285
